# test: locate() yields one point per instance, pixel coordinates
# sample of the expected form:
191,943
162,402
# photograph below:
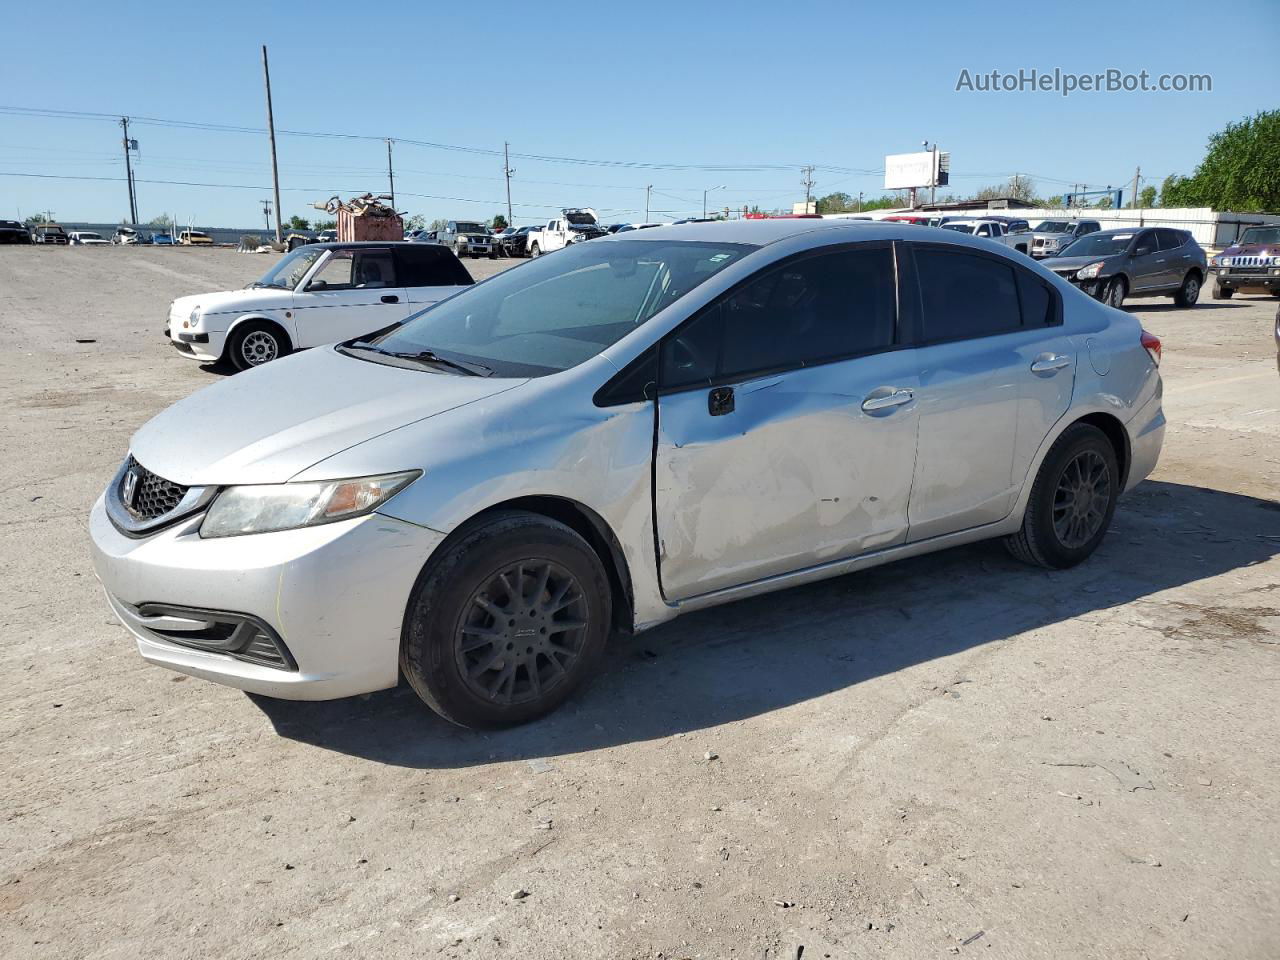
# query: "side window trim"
749,375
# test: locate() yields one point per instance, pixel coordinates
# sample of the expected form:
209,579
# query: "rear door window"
965,295
1169,239
425,265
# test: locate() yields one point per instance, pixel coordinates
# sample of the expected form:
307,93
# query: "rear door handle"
1048,363
895,399
390,298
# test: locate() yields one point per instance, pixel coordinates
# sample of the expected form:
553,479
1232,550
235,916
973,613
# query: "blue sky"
759,86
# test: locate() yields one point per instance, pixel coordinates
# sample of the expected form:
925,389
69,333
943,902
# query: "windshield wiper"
258,285
422,356
430,356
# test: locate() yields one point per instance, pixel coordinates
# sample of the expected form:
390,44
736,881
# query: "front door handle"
1048,363
390,298
720,401
895,399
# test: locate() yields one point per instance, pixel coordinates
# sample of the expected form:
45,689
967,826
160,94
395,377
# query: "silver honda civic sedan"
598,440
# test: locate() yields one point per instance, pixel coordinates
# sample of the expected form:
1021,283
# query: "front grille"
1246,261
1251,271
153,496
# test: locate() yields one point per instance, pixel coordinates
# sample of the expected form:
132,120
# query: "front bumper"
1238,280
334,595
475,249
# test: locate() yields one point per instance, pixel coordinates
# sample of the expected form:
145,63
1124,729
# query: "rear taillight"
1151,344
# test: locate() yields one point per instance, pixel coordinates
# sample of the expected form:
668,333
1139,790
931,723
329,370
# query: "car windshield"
467,227
1261,235
958,227
553,313
288,273
1053,226
1097,245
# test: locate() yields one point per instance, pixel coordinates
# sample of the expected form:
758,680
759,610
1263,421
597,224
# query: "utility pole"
271,133
808,185
391,175
507,172
859,201
266,213
128,173
1137,175
647,192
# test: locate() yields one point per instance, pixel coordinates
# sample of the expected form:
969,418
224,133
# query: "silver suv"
467,238
1050,236
598,441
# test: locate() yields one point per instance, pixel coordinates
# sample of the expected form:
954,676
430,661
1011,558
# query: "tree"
1147,196
326,225
297,223
499,222
164,220
416,222
1240,171
438,224
1016,188
838,202
38,218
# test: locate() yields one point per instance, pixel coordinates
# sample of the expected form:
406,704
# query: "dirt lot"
954,755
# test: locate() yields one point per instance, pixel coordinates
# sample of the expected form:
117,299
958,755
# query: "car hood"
1252,250
1061,264
268,424
233,301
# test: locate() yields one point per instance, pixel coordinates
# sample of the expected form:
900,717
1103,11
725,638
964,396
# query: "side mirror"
1142,252
317,285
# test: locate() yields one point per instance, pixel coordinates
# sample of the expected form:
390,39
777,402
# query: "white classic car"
321,293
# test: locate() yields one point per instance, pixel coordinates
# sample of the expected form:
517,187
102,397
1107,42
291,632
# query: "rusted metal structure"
364,218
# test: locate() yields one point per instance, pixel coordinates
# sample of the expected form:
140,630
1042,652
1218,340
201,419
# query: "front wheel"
535,251
1072,500
507,621
1222,293
253,344
1189,292
1115,292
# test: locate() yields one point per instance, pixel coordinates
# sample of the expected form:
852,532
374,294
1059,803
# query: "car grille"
153,495
1246,261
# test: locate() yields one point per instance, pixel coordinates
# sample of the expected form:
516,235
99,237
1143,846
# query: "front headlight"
1213,261
1091,271
264,508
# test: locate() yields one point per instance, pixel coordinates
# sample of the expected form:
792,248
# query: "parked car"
500,238
127,236
467,238
517,244
1251,263
1050,236
13,231
319,293
638,226
574,225
194,238
87,238
919,221
162,239
424,236
604,439
991,228
49,233
327,236
1112,265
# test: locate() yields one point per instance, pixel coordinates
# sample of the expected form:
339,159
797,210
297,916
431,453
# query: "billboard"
902,171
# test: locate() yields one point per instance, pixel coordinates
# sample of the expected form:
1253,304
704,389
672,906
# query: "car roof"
762,232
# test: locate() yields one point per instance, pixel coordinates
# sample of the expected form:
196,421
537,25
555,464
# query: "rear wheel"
1189,292
506,622
253,344
1072,500
1115,293
1222,293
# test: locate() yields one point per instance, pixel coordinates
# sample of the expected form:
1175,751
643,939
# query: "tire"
455,643
1059,531
1222,293
1115,292
255,343
535,251
1189,292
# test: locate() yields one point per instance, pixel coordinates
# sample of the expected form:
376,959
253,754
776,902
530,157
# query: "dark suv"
1111,265
1252,262
11,231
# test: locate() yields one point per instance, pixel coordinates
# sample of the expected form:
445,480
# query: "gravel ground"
953,755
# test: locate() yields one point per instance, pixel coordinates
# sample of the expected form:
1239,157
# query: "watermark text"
1065,83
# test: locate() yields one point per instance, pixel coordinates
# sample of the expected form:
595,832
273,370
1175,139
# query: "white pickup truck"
573,225
997,230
